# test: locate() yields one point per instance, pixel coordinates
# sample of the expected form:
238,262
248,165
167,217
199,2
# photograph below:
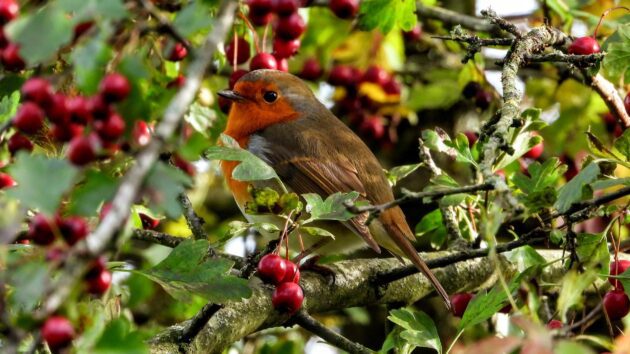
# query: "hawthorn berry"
459,302
373,127
57,111
344,8
6,181
65,132
342,75
414,35
29,118
483,99
375,74
554,324
99,108
290,27
584,46
283,64
287,297
263,61
79,109
81,28
3,39
37,90
243,51
616,304
285,48
114,87
183,165
626,102
261,19
286,7
141,133
73,229
41,230
392,87
260,6
148,223
311,70
472,137
272,268
111,128
19,142
235,76
9,9
83,149
536,151
292,273
616,268
178,52
58,332
11,59
99,284
177,82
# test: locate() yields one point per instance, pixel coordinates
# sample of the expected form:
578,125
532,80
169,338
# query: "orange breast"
238,188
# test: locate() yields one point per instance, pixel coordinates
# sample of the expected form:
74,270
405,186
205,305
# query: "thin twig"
165,26
454,18
195,223
306,321
502,23
157,238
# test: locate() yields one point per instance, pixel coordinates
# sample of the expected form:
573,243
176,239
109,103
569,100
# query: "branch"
454,18
165,25
157,238
310,324
195,223
610,95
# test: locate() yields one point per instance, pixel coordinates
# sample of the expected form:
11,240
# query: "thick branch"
454,18
611,97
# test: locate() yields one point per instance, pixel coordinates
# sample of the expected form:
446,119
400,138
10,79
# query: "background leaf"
419,329
385,14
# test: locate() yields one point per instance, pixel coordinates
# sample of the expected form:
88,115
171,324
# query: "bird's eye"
270,96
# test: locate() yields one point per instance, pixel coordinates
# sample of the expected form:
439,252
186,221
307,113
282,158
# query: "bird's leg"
311,263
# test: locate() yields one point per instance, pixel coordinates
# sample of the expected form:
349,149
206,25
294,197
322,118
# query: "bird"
276,116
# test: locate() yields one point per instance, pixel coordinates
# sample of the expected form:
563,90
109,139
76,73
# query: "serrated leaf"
617,60
97,188
539,188
41,181
385,14
90,59
41,33
461,146
119,338
592,250
251,167
187,269
597,147
573,191
419,328
432,226
201,118
316,231
9,105
622,144
399,172
165,184
332,208
572,289
193,18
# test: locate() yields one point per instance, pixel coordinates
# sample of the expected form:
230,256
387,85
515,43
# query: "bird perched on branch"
277,117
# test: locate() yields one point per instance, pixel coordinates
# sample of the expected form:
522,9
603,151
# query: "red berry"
29,118
57,331
6,181
283,64
285,48
262,19
4,42
114,87
392,87
554,324
57,111
37,90
471,89
99,108
584,46
626,102
617,268
79,109
535,151
459,302
616,304
177,82
148,223
141,133
183,165
19,142
65,132
292,274
73,229
243,51
311,70
260,7
263,61
41,230
286,7
483,99
414,35
235,76
99,284
376,75
342,75
178,52
9,9
373,127
344,8
83,149
272,268
11,58
472,137
111,128
81,28
290,27
287,297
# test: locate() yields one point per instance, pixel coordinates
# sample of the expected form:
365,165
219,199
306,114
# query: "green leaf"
577,188
41,33
462,148
316,231
419,329
525,257
597,147
97,188
251,167
385,14
166,183
201,118
572,289
399,172
42,181
332,208
118,338
539,189
617,60
193,18
624,279
134,68
188,269
9,105
89,9
622,143
592,250
432,226
28,282
90,59
572,347
434,95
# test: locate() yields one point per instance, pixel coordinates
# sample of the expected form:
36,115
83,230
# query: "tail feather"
399,236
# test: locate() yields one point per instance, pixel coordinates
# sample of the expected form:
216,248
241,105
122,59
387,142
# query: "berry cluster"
9,52
616,302
288,295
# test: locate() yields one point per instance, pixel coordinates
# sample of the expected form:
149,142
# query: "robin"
275,116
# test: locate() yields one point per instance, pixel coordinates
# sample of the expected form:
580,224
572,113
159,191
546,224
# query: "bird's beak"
231,95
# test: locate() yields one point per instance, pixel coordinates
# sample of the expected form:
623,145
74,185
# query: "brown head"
263,98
